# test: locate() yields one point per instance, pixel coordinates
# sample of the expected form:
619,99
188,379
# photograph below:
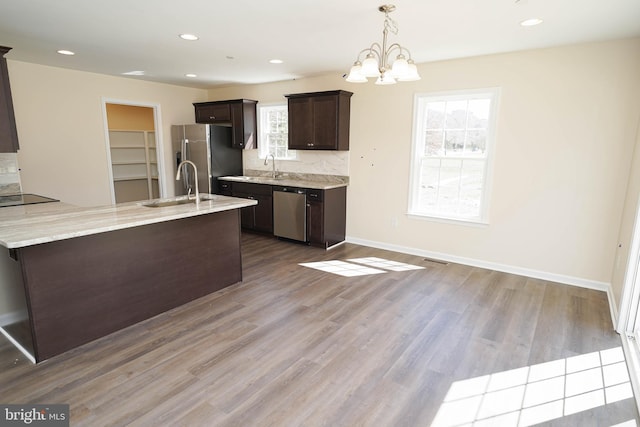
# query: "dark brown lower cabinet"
257,217
315,220
326,211
326,216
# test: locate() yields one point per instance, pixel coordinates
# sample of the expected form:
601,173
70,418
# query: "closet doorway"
134,152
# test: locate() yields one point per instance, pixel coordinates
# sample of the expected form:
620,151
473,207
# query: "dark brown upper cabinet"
8,132
240,114
319,120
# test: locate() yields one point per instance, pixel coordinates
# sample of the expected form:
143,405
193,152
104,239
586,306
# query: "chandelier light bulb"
400,66
355,74
370,67
412,73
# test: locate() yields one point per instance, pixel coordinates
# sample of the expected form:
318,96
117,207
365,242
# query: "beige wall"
565,135
61,128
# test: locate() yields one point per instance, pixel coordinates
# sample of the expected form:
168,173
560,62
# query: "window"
452,148
274,129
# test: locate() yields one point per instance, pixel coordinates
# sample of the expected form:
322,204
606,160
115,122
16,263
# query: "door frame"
157,121
630,299
628,322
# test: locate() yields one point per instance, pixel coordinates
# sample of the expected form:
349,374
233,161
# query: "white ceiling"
239,37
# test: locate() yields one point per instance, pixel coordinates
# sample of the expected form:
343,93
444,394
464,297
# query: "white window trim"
263,152
414,169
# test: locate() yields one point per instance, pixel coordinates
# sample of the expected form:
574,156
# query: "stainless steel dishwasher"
290,213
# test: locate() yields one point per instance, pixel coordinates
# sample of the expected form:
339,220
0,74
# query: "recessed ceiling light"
191,75
134,73
190,37
66,52
531,22
276,61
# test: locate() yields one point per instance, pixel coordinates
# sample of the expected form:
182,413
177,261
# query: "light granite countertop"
28,225
287,181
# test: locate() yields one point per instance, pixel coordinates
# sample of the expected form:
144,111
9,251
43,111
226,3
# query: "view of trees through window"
450,164
274,128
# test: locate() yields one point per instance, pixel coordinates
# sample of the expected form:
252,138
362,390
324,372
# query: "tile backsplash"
333,163
9,174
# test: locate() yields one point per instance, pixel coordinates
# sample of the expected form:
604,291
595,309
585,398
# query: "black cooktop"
23,199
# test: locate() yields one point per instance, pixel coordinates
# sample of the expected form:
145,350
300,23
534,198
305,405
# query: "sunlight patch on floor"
342,268
360,266
538,393
385,264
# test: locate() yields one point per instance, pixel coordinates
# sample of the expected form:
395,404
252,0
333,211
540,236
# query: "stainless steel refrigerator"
209,147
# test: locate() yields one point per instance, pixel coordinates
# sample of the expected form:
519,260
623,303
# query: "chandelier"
376,62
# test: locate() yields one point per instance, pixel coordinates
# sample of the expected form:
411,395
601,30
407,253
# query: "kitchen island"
88,272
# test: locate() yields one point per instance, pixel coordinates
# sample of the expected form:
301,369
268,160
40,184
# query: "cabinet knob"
212,117
309,144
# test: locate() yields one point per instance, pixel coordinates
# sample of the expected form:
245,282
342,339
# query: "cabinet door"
264,213
237,126
315,221
213,113
325,122
248,217
8,133
258,217
248,213
300,123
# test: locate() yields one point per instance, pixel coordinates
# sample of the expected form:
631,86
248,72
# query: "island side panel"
84,288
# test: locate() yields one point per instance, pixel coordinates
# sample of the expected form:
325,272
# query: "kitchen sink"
174,202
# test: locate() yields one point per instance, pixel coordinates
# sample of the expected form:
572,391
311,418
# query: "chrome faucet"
273,164
195,174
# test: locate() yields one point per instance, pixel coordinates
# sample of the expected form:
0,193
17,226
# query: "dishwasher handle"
290,190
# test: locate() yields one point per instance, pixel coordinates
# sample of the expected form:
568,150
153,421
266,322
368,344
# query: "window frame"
264,149
417,148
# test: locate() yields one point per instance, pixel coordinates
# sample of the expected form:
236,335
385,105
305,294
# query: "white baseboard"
535,274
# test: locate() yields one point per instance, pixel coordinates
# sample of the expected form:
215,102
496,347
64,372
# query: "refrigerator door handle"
185,169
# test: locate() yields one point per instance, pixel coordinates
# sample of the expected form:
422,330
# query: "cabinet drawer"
225,188
249,188
313,194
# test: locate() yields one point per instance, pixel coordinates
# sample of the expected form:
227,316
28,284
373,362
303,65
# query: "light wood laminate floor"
295,346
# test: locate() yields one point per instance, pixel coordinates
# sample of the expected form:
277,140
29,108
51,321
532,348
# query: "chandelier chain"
390,24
